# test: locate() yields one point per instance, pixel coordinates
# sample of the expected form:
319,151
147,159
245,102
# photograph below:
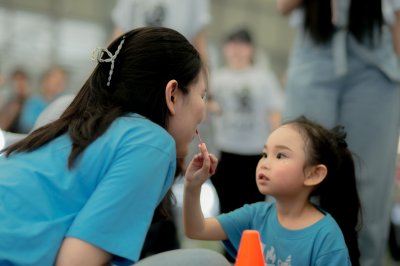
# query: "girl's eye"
280,155
263,155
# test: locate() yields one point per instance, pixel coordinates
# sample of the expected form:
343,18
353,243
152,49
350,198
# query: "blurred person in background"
12,101
343,69
53,84
247,106
2,81
189,17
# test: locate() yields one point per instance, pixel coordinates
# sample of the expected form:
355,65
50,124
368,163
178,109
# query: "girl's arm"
201,167
77,252
287,6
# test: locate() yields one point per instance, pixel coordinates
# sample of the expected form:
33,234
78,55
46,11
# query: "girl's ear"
171,90
315,175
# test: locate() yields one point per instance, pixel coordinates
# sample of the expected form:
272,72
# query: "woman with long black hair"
344,70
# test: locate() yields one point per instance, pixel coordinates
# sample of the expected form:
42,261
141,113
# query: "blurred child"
12,101
53,85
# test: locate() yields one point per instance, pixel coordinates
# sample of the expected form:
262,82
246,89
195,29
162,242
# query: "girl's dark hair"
149,58
365,19
337,193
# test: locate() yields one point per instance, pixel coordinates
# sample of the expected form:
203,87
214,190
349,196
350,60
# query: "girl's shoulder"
260,209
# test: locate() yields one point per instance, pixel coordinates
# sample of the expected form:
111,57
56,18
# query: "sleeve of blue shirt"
234,223
118,214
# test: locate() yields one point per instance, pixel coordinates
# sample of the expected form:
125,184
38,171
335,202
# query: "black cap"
241,35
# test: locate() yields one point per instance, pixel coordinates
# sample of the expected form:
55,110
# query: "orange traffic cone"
250,251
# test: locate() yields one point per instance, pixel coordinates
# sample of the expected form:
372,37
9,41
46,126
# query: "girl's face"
280,171
190,112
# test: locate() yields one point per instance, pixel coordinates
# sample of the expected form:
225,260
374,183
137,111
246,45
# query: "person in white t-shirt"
189,17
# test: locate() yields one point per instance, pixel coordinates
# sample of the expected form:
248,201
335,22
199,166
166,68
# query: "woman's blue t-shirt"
107,199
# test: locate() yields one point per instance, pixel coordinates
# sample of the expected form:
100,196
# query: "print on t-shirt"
270,259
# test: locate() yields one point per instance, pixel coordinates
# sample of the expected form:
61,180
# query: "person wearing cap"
249,101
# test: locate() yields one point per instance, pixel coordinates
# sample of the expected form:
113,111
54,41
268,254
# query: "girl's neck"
299,215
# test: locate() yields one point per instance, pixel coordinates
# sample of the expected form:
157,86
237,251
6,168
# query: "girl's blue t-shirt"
320,244
107,199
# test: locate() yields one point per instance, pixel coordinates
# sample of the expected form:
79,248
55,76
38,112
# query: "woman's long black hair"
365,19
149,58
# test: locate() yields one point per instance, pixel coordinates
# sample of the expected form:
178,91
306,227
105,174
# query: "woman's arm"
287,6
196,226
76,252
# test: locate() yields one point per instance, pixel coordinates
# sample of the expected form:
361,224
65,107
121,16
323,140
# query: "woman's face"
190,111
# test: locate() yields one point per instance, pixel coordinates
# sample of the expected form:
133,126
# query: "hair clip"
98,53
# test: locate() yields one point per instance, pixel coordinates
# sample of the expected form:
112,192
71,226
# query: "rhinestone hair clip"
98,53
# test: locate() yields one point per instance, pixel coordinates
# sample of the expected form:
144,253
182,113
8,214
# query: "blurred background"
37,34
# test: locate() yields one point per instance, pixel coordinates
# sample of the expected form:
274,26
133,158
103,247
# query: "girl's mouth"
261,176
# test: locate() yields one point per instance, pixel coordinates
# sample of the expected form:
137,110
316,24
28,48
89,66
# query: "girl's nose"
264,163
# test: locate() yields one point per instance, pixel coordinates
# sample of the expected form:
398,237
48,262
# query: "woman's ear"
315,175
171,90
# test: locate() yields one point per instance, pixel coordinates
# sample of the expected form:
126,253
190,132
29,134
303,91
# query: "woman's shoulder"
133,121
131,136
134,129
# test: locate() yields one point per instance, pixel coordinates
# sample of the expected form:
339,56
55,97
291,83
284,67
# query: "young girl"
310,173
84,189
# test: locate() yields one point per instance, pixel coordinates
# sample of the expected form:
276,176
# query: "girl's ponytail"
338,192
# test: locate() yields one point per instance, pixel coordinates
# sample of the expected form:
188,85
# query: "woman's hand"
201,167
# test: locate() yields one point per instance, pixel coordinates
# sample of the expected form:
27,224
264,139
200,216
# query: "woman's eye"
263,155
